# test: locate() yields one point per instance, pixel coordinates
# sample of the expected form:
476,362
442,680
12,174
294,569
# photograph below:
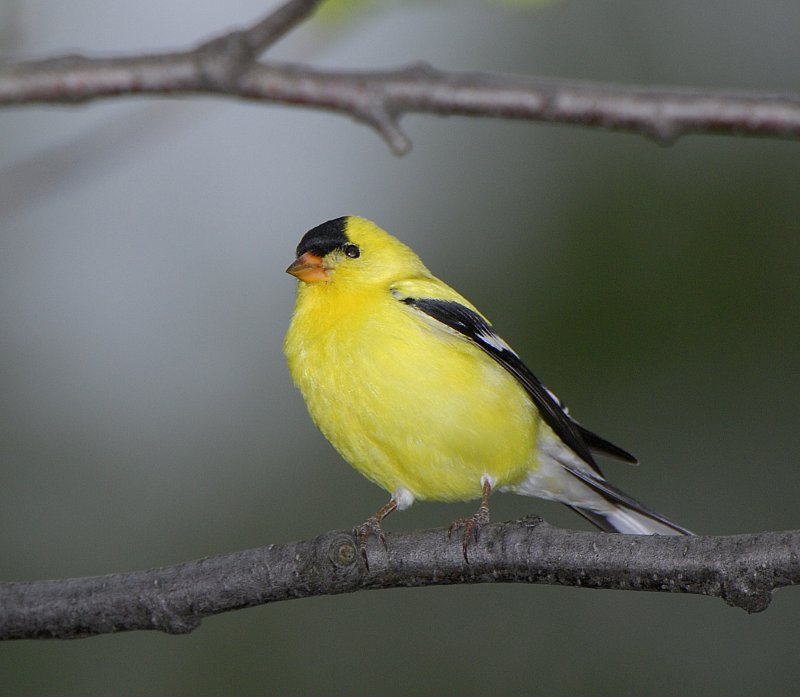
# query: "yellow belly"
409,406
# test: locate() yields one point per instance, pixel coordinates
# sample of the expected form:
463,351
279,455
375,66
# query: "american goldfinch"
410,383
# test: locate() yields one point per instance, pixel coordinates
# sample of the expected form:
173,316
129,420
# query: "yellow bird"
410,383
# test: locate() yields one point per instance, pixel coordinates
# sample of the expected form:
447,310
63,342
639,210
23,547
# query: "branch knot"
222,60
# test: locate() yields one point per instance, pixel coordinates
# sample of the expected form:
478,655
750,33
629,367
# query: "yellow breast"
406,404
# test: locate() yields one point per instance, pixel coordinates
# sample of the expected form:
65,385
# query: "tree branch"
266,32
227,66
743,570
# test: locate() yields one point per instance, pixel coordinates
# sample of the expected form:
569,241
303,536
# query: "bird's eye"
352,251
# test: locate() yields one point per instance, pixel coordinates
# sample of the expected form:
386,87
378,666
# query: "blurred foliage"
339,11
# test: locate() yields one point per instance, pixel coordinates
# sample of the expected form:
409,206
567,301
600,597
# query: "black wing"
598,444
472,326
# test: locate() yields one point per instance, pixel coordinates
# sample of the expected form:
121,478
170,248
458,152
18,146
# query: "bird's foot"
371,526
472,528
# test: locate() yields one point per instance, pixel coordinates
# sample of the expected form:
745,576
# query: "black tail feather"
620,500
600,445
595,519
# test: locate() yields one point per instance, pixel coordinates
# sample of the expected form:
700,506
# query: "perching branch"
743,570
228,66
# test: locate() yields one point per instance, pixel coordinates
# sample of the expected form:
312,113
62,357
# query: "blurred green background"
146,416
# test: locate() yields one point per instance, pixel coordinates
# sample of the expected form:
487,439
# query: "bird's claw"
472,528
371,526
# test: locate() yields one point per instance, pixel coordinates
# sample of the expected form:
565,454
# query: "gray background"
146,416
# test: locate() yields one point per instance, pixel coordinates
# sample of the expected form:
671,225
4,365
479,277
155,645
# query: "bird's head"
353,251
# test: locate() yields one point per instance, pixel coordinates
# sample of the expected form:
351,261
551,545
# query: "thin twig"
228,66
266,32
743,570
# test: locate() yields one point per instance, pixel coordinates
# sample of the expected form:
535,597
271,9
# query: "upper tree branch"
741,569
228,66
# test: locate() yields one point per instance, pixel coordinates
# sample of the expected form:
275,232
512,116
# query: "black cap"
324,238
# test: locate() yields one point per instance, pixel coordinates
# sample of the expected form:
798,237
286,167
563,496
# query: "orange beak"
310,268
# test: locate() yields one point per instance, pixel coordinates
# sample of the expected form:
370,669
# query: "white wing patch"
556,399
495,342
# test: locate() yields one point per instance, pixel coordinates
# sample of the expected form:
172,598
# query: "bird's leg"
472,525
372,526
